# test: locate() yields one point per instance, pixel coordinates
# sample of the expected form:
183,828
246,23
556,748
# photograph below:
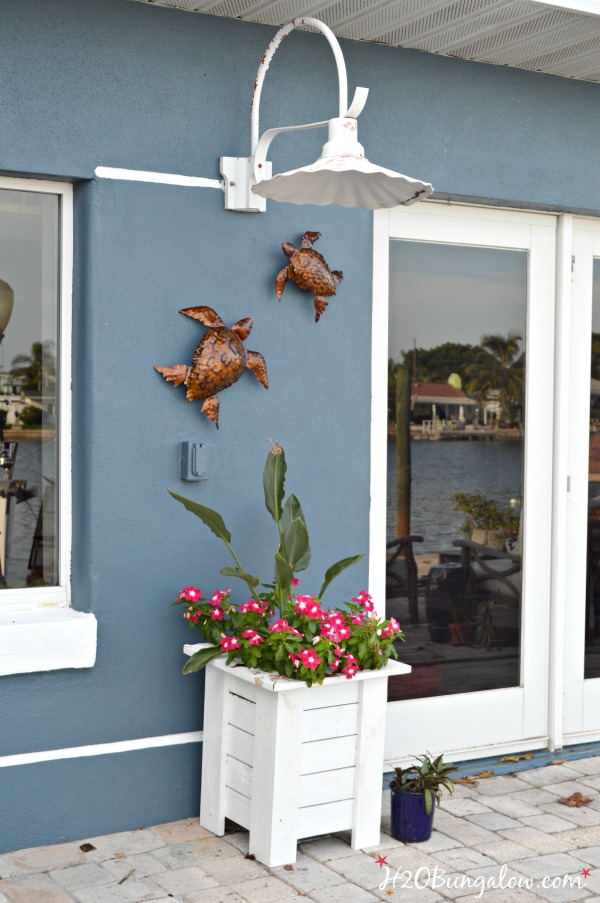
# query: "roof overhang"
556,38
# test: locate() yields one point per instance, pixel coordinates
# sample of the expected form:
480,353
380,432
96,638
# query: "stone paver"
508,840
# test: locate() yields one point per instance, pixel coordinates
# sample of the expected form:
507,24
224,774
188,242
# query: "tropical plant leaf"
212,519
231,571
428,801
283,571
200,659
291,510
274,481
295,543
337,569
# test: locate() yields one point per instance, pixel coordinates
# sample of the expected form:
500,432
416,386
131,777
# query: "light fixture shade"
343,175
347,181
7,298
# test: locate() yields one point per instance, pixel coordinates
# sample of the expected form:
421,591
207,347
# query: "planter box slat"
324,819
324,755
240,745
327,787
238,776
238,807
334,721
242,713
338,694
289,765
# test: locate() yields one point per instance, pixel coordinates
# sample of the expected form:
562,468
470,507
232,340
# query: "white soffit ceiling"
560,38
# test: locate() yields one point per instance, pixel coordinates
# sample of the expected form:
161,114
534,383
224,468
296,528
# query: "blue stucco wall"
123,84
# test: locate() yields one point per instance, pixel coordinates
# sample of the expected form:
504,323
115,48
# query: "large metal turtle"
309,271
219,361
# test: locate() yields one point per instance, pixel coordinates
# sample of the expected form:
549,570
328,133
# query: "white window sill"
46,639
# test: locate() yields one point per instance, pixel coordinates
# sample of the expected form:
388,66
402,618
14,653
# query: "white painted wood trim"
157,178
558,575
216,714
46,639
100,749
366,815
276,684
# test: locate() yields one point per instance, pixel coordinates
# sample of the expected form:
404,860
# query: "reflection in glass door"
455,442
461,473
592,594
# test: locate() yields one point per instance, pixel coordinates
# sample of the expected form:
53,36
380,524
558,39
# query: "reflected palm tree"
498,368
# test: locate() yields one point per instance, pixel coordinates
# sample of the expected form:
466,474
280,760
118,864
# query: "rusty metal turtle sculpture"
309,271
218,362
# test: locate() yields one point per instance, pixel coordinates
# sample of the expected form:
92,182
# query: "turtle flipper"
256,363
211,409
206,315
282,277
243,328
337,276
309,238
176,375
320,305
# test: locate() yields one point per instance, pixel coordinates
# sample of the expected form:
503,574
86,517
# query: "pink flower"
253,637
252,605
365,600
351,667
281,625
217,613
335,664
295,581
229,642
392,627
309,659
190,593
309,606
218,596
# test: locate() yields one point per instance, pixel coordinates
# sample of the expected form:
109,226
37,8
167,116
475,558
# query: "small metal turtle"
219,361
309,271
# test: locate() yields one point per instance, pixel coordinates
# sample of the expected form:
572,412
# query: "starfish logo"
381,861
586,872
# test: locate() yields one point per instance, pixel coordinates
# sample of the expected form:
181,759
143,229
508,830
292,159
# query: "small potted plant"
414,793
487,520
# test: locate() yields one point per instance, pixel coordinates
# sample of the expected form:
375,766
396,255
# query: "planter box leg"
214,750
277,749
366,820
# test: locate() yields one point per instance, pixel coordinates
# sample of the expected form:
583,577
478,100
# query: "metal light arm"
241,173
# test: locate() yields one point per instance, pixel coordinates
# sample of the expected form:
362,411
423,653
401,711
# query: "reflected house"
435,404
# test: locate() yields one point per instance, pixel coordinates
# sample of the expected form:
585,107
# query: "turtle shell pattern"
311,273
219,361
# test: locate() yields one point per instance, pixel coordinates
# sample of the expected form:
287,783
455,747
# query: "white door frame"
582,697
495,721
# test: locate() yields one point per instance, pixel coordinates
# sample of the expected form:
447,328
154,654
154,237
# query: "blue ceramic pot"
410,821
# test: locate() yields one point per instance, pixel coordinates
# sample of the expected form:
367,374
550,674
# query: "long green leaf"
292,510
295,541
283,572
274,482
231,571
212,519
337,569
200,659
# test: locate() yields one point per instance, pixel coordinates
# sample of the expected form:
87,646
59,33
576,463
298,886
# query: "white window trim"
38,629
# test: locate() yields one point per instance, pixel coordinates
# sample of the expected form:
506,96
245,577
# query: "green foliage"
30,416
38,368
293,554
429,777
485,513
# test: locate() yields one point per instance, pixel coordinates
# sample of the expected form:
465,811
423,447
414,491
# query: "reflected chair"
493,576
401,573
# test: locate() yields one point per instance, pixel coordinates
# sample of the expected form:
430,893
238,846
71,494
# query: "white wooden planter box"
287,761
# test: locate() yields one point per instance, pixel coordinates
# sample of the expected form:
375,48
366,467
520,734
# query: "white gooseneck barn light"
342,174
7,300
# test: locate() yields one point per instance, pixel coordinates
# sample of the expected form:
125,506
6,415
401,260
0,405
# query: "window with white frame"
35,297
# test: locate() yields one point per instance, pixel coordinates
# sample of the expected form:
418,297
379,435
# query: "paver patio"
506,841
